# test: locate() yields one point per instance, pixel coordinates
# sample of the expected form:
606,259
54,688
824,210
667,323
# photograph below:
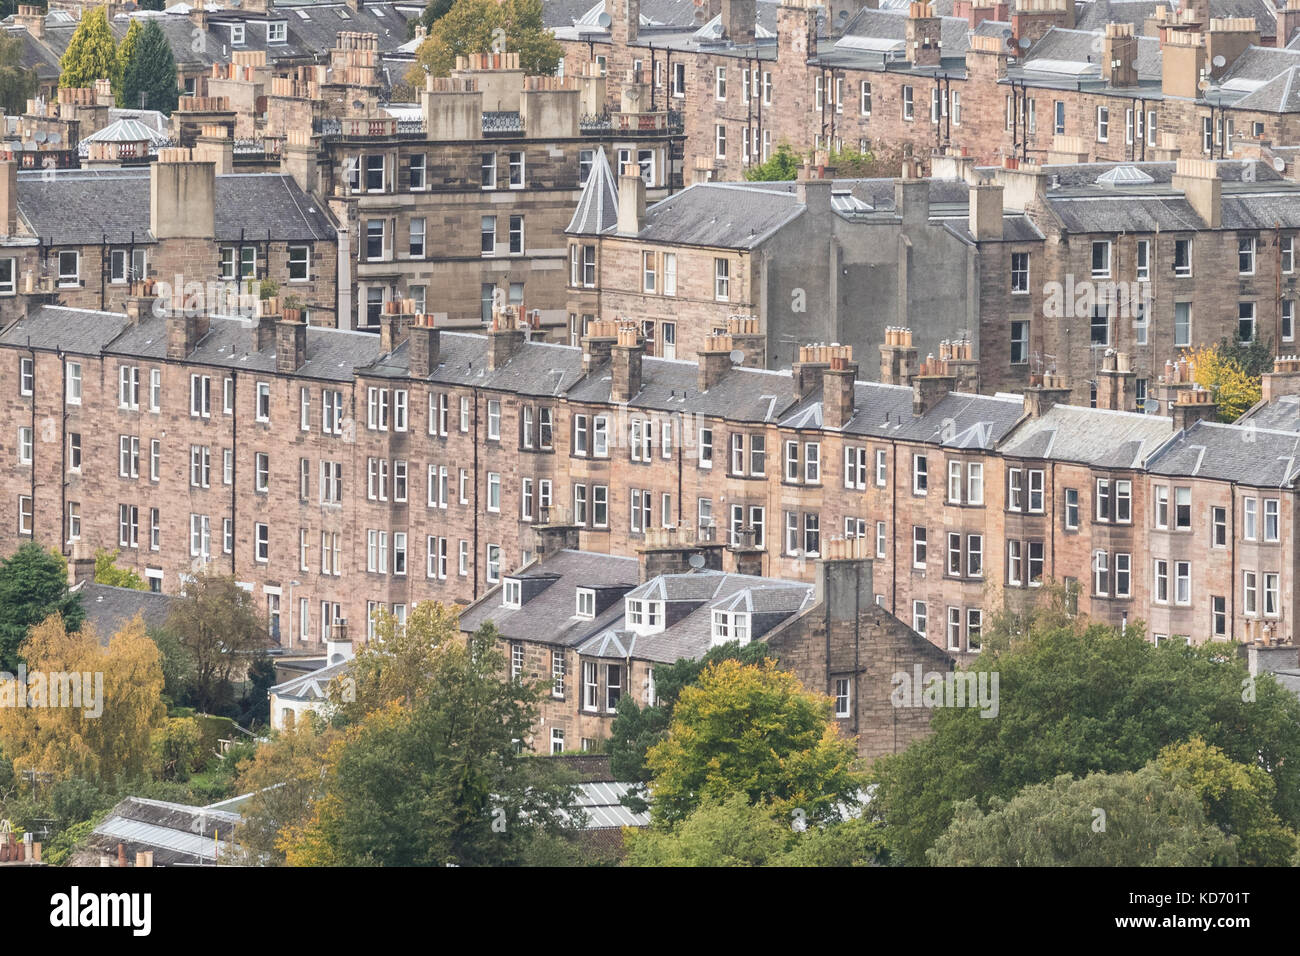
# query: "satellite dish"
1279,163
1151,406
1006,32
358,105
39,136
844,15
737,356
604,20
54,138
1024,43
696,561
1219,61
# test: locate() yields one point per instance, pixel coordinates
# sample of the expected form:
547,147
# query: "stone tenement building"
595,628
334,472
468,202
80,237
1035,268
288,37
1122,81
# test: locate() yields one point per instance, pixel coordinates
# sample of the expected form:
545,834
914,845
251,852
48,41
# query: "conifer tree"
151,71
91,54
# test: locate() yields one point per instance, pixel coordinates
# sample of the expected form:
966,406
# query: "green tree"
177,747
151,71
433,12
1237,798
33,585
285,776
753,729
636,729
1076,698
465,793
125,51
17,84
1139,818
177,667
781,165
91,54
480,26
107,572
731,831
215,620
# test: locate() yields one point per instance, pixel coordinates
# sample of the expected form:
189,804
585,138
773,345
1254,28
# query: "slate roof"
312,686
722,215
691,635
81,331
597,208
549,616
108,609
177,834
868,27
1258,457
332,354
1279,95
1258,65
80,206
1059,46
958,420
1282,414
1091,436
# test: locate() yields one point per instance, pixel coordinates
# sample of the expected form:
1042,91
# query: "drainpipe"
63,460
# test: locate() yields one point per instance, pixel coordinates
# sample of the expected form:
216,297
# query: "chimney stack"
923,44
631,201
811,362
298,159
425,344
8,198
844,582
1115,382
394,322
837,390
931,384
268,316
1182,62
715,359
598,343
625,364
1043,392
1119,55
290,342
739,19
669,551
986,211
182,196
505,337
898,357
184,328
1198,180
1194,405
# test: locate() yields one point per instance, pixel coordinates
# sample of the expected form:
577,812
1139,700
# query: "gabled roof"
598,205
1279,95
722,215
1091,436
109,609
1248,455
79,206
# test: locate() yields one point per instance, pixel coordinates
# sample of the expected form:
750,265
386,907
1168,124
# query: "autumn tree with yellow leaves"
1234,388
123,682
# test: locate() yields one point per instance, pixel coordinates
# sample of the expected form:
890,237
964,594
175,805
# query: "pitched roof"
1248,455
598,205
111,608
80,206
1279,95
723,215
1093,436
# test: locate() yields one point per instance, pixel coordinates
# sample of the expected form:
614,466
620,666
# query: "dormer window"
277,32
730,626
511,593
645,617
586,604
236,34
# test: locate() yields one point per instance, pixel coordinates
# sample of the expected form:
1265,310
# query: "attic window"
277,32
586,604
343,14
511,593
730,626
645,617
236,34
302,14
